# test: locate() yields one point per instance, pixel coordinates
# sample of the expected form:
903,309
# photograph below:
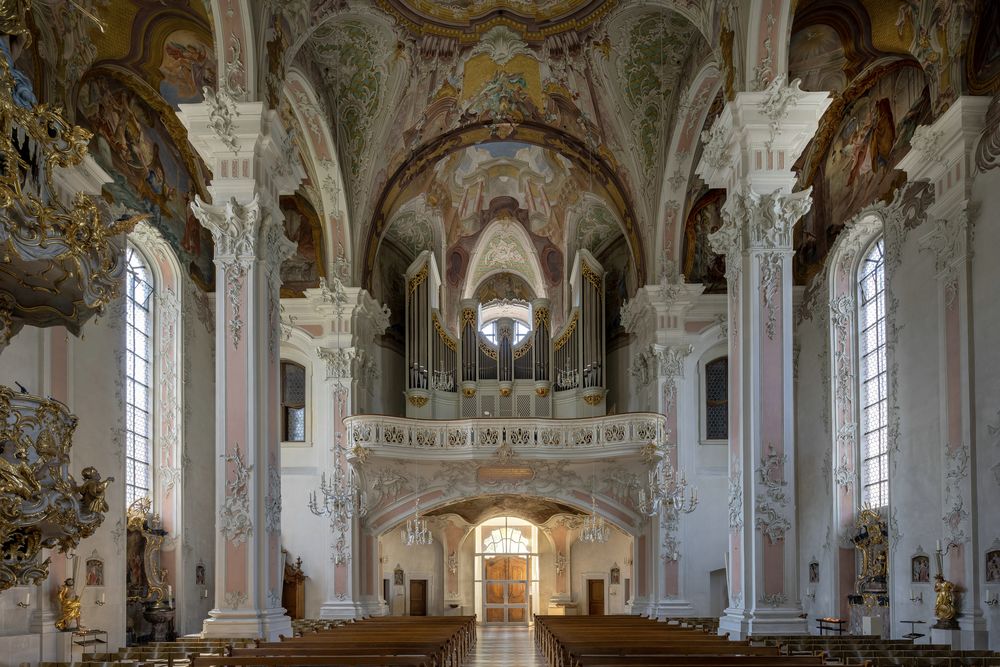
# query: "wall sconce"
204,593
100,602
991,598
26,602
918,598
811,593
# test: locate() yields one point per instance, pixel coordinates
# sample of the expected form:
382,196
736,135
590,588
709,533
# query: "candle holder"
918,598
992,601
26,602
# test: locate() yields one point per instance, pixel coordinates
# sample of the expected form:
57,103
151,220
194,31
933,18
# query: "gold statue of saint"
69,607
944,605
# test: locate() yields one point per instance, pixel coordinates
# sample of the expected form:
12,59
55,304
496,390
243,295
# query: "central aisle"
505,647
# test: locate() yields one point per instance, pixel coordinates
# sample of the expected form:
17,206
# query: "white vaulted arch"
504,248
324,167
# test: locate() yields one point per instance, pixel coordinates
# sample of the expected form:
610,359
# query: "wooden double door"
505,590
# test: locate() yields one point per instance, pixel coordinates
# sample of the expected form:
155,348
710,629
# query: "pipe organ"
506,360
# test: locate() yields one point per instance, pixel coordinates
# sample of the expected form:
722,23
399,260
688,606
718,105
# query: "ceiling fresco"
407,83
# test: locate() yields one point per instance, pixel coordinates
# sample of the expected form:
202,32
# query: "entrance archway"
507,572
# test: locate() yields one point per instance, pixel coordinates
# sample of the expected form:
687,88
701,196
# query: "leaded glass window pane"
874,403
293,401
717,399
139,290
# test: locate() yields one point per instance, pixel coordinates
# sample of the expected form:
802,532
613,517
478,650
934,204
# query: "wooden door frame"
587,576
406,590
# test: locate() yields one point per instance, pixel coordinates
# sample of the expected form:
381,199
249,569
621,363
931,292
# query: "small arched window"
293,402
717,399
139,347
873,377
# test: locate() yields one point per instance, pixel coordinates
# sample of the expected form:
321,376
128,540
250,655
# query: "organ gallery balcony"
624,435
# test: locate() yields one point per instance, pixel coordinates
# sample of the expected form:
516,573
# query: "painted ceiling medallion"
466,20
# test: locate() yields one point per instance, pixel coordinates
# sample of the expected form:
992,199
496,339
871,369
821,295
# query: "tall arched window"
874,378
138,377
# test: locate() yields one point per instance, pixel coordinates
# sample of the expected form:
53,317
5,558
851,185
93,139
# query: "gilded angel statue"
92,491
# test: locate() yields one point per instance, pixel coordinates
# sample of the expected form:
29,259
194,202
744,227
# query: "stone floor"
505,647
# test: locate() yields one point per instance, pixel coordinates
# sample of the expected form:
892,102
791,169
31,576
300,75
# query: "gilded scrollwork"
41,504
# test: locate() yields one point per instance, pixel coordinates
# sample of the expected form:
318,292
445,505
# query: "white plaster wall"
418,562
915,469
94,379
303,534
813,466
197,543
704,532
617,361
594,561
986,364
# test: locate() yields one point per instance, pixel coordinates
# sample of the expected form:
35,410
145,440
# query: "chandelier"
594,529
416,532
666,490
342,500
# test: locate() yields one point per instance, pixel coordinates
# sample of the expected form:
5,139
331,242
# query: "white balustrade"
623,433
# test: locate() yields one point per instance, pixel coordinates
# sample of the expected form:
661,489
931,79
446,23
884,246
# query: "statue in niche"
69,607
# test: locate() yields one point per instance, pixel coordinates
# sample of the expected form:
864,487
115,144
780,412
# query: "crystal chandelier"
666,490
416,531
594,529
342,500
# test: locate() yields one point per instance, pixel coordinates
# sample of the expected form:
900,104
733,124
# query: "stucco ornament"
956,473
770,281
772,500
235,522
272,507
501,44
222,116
736,498
778,100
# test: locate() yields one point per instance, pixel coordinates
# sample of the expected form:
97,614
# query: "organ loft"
480,332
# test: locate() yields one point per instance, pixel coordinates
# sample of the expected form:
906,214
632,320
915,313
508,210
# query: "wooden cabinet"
293,591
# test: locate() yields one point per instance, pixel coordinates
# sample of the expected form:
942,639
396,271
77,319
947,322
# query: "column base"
266,624
642,607
347,609
664,610
975,635
739,624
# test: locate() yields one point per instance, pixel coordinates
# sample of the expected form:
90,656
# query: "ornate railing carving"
630,430
41,504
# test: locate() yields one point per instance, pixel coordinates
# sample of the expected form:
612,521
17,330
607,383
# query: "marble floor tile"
505,647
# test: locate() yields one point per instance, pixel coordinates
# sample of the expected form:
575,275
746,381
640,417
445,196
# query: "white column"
750,151
943,153
246,149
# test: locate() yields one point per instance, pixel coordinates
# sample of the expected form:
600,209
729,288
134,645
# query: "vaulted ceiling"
444,111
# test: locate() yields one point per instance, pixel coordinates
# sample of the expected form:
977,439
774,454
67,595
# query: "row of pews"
615,641
874,651
385,641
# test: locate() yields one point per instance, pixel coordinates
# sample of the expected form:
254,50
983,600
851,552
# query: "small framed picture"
920,569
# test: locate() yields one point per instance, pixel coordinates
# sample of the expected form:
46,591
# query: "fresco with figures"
149,174
305,267
872,135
